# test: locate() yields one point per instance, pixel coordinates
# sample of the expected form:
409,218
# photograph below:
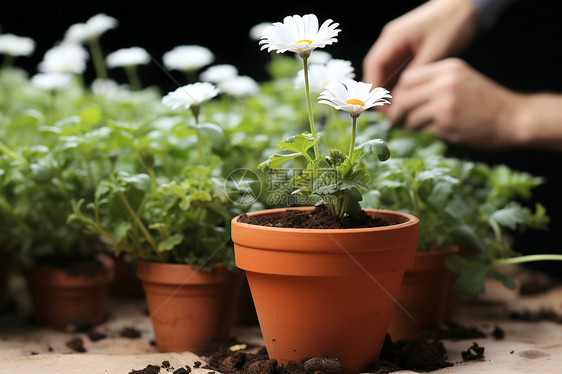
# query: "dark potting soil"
78,266
76,344
453,331
540,315
419,353
130,332
149,369
95,336
498,333
474,352
319,218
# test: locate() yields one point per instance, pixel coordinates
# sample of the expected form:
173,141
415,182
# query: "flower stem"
352,144
4,149
133,77
529,258
8,61
97,57
309,106
139,223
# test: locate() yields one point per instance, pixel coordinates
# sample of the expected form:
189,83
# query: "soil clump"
319,218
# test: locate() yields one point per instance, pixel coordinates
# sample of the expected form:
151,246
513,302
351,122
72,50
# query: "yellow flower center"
355,102
309,42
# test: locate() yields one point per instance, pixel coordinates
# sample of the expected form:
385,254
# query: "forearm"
537,121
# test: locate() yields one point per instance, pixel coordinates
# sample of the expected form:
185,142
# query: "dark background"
522,51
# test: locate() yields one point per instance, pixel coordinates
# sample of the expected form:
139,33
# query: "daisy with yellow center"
353,97
301,35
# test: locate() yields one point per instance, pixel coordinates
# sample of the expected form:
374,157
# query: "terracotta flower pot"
190,308
62,300
424,294
126,282
325,292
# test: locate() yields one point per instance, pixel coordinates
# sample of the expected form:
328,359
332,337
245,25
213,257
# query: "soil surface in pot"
319,218
77,266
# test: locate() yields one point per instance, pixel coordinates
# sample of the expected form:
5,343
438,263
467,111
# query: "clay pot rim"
182,274
409,220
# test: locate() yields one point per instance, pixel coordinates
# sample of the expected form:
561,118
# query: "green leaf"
139,181
275,161
299,143
511,216
91,115
170,242
214,133
202,196
504,278
471,275
377,146
121,230
174,189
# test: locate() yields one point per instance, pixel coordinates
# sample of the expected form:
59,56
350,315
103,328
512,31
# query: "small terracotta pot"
63,301
424,294
5,265
190,309
325,292
126,282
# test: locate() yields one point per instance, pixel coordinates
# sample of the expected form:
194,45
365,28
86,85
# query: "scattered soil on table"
453,331
419,353
149,369
319,218
76,344
537,284
130,332
540,315
498,333
474,352
95,336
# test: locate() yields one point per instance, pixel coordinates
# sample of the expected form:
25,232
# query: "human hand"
435,30
457,103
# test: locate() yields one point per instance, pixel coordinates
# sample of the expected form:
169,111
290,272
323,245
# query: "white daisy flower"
109,89
124,57
256,31
354,97
299,34
14,45
188,57
319,57
91,29
219,73
239,86
64,58
320,76
190,95
51,81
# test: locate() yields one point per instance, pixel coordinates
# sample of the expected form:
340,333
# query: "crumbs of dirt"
241,362
453,331
540,315
498,333
419,353
319,218
130,332
474,352
76,344
149,369
95,336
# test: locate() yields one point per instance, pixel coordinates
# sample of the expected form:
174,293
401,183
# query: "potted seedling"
174,220
324,287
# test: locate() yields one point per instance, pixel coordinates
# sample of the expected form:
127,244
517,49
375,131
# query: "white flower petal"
353,97
188,58
191,94
91,29
51,81
64,58
128,57
14,45
240,86
219,73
